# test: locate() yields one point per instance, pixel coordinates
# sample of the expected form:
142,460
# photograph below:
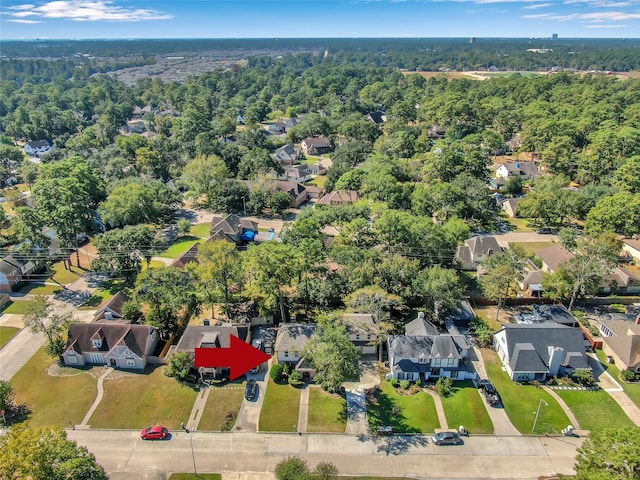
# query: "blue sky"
29,19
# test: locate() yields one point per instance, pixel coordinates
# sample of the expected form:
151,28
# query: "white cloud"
87,11
607,26
537,5
24,21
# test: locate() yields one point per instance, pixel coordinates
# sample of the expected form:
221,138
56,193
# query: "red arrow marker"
240,357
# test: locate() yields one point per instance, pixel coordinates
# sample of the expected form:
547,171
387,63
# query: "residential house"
191,255
240,120
547,314
476,250
206,336
111,309
37,147
496,184
532,280
362,330
277,128
524,170
139,112
621,280
113,344
315,145
632,247
377,118
9,274
296,173
297,192
554,256
287,155
233,228
424,357
289,346
420,327
313,191
437,132
316,169
537,351
133,126
510,207
340,197
621,341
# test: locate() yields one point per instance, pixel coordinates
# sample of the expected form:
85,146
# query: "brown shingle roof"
340,197
114,304
135,337
554,256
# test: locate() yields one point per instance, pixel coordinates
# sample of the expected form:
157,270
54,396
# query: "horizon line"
45,39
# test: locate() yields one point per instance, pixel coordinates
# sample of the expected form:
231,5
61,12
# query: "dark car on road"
251,390
156,432
489,391
545,231
446,438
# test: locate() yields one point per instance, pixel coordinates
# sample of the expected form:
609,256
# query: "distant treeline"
42,71
427,54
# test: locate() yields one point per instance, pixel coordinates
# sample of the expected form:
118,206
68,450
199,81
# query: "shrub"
179,365
295,379
404,384
481,331
396,410
227,424
326,471
277,372
444,386
536,261
183,226
292,468
629,376
584,377
394,382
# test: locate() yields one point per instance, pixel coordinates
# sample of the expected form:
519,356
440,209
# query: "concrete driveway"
357,423
249,413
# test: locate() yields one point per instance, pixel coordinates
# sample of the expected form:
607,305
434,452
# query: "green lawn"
201,230
595,409
106,291
143,399
6,333
18,307
40,289
521,401
405,413
327,412
53,400
153,264
465,407
192,476
64,276
280,408
517,224
221,401
631,389
531,248
319,181
181,245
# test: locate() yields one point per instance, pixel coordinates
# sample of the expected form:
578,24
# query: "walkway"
502,426
442,418
198,407
303,412
613,388
96,402
567,410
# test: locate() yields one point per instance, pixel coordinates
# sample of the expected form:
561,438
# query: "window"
286,354
357,337
131,362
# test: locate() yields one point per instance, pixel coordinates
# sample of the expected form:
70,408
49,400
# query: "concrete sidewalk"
96,402
303,412
442,418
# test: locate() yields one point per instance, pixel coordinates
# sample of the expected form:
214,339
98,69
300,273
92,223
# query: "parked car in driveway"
545,231
251,390
446,438
257,344
489,391
157,432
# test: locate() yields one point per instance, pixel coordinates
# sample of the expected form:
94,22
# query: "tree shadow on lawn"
383,411
394,444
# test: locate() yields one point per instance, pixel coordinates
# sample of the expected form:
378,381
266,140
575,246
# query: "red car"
154,433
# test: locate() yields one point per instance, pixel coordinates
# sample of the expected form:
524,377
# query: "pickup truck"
489,391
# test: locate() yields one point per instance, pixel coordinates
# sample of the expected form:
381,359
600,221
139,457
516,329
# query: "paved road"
485,457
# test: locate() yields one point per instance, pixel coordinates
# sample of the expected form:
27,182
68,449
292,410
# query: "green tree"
326,471
179,365
41,316
610,454
439,291
218,268
618,213
627,177
513,187
332,354
272,268
7,394
292,468
183,226
122,250
204,176
41,453
379,304
503,272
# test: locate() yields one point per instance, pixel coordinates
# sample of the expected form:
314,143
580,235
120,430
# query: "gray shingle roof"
420,327
522,340
483,244
194,336
292,337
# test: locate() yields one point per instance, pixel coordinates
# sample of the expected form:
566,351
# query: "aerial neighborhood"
411,254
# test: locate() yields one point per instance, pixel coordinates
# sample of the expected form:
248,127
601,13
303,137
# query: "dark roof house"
475,250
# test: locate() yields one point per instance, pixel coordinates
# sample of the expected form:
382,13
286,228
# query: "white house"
38,146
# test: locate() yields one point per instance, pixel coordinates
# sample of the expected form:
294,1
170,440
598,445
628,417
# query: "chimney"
555,358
